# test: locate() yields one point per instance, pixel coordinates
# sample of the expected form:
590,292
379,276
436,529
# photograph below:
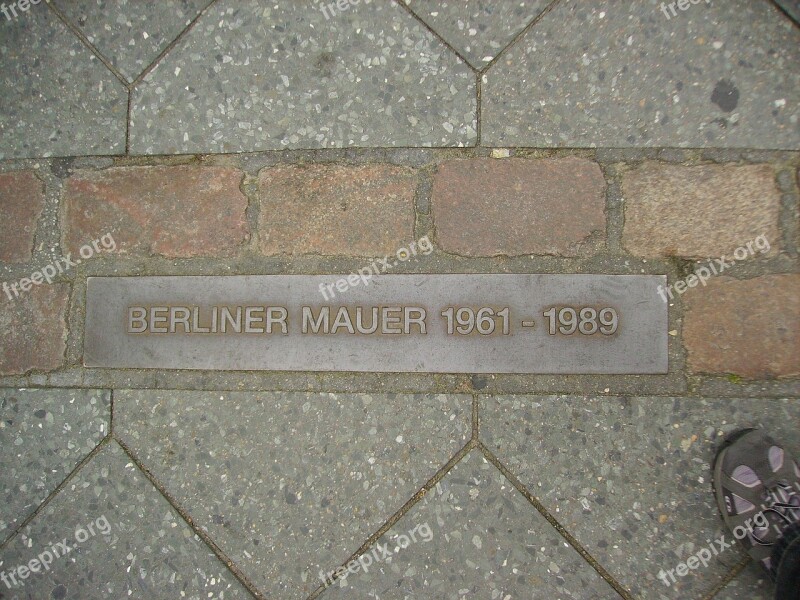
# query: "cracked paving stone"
288,484
50,110
478,29
250,76
630,477
124,540
131,34
719,74
473,536
44,434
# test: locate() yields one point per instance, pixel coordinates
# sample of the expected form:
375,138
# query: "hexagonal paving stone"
124,540
473,536
44,434
58,99
288,484
131,34
630,478
478,29
255,76
719,74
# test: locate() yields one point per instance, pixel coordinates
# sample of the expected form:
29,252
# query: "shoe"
757,487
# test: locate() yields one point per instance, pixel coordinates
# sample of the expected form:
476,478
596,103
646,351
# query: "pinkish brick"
364,211
698,212
21,204
177,212
487,207
34,329
744,327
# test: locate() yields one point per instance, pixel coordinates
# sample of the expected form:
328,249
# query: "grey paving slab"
751,584
56,97
478,29
131,34
289,484
255,76
720,74
630,478
44,434
124,540
473,536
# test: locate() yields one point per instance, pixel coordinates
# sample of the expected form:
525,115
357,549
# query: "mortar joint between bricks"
75,318
249,188
51,220
786,180
614,208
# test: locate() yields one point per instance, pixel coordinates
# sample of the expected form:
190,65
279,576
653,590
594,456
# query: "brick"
21,204
34,329
176,212
745,327
698,212
487,207
364,211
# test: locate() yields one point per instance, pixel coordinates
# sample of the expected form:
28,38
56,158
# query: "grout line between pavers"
91,47
374,388
786,184
546,151
83,462
519,36
571,540
111,413
435,34
614,209
478,109
128,122
220,554
785,13
694,389
405,509
168,48
730,576
476,420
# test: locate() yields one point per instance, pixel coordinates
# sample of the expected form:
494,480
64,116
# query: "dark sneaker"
757,486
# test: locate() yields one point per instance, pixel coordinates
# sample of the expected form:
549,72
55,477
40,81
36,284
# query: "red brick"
699,212
21,203
176,212
365,210
34,329
487,207
745,327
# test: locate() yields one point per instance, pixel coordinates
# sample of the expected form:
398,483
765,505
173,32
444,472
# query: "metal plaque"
389,323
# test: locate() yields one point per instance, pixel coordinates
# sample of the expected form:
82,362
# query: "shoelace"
782,501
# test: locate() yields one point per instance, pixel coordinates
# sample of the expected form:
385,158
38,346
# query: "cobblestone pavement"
224,137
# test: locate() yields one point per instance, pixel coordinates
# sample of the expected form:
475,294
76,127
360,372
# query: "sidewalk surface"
225,137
